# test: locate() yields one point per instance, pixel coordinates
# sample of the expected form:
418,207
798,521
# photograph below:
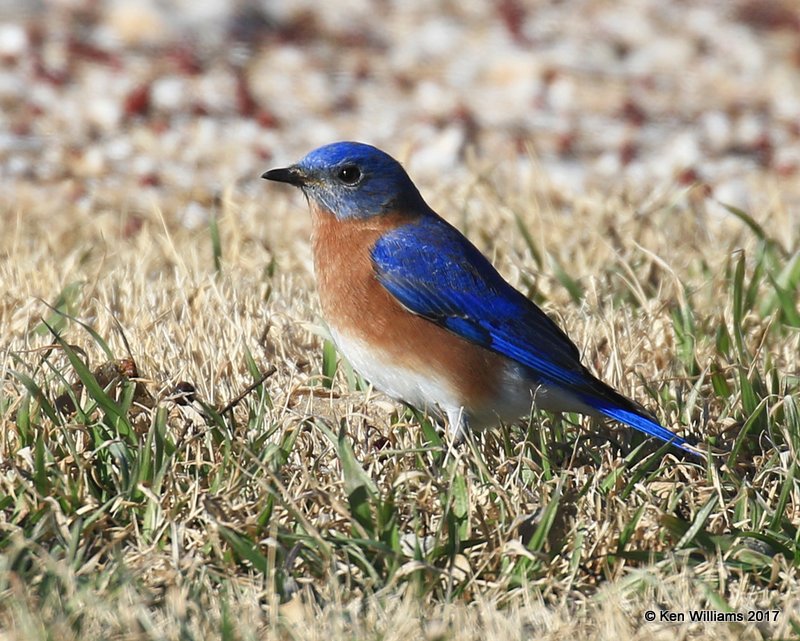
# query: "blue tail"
648,426
608,402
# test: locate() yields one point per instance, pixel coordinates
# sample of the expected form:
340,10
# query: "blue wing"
436,273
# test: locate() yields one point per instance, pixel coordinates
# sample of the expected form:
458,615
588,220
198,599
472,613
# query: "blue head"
351,180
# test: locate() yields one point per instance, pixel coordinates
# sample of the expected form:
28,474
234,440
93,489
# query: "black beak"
292,175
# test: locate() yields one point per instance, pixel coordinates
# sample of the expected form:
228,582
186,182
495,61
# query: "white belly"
428,391
423,390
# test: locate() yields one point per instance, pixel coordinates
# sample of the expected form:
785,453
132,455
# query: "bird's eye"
349,174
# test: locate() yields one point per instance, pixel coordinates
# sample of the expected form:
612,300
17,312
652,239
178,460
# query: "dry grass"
316,509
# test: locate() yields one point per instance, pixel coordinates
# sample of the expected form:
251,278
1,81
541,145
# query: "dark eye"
349,174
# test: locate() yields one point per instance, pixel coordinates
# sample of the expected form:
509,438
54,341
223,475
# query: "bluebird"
422,314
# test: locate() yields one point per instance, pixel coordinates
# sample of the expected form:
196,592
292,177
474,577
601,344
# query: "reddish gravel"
147,98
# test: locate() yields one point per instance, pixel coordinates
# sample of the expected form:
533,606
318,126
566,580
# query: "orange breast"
356,304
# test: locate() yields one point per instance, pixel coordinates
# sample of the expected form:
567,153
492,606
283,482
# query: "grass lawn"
184,456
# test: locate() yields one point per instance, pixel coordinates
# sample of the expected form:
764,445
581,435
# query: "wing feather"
436,273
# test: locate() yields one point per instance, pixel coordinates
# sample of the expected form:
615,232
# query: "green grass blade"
330,359
696,528
63,306
245,549
103,400
529,242
36,392
548,517
216,243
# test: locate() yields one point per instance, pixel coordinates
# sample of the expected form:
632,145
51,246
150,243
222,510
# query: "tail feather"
648,426
608,402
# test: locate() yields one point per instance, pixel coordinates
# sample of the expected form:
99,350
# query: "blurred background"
126,103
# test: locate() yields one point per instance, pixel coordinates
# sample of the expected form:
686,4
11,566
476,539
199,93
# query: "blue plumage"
435,272
376,183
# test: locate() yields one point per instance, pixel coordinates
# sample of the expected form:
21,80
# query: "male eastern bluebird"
423,315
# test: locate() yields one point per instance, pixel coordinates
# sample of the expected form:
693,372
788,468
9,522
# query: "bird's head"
351,180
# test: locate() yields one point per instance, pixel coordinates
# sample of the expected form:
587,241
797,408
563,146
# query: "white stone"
194,215
169,93
13,40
